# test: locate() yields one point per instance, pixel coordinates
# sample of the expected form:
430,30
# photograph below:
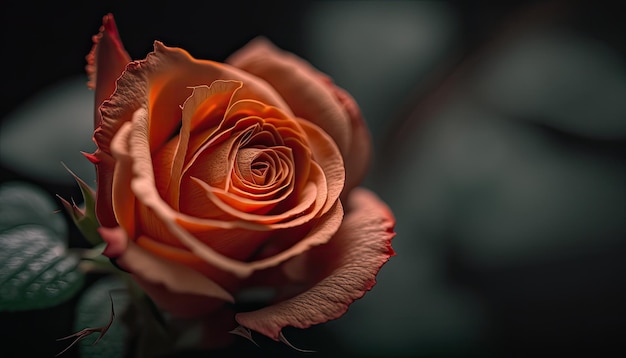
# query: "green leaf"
37,271
23,203
94,310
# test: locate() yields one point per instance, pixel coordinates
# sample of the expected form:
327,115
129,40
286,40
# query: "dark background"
565,300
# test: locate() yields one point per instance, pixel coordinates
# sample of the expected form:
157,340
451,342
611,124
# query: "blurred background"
500,145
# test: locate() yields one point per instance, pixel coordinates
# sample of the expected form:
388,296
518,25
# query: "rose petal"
359,156
175,277
122,197
355,255
157,82
319,234
116,240
217,96
163,278
104,173
179,304
215,160
105,63
144,187
163,161
233,243
299,84
188,259
296,215
327,155
221,202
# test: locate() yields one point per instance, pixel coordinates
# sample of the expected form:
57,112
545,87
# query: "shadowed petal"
200,106
105,63
167,282
359,156
326,153
354,257
183,303
122,198
104,171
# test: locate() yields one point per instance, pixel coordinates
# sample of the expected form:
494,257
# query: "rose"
216,177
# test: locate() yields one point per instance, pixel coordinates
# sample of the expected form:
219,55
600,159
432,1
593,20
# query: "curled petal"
299,83
122,198
359,155
197,107
319,234
265,60
354,257
326,153
158,84
104,172
162,278
144,187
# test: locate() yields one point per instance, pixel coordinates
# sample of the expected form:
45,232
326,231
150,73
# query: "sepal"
84,217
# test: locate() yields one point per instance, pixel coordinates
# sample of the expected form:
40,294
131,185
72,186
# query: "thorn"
86,332
245,333
282,338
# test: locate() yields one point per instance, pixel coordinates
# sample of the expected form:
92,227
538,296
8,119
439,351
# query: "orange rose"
216,177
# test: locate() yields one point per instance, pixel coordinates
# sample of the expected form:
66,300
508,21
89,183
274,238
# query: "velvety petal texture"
314,96
105,63
349,264
156,273
213,175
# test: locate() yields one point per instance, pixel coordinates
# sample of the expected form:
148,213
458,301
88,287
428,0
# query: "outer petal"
354,257
105,63
162,279
359,156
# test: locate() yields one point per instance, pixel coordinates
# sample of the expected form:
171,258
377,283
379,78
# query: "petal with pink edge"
105,63
353,257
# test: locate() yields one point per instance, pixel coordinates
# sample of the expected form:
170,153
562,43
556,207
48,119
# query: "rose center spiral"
257,166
